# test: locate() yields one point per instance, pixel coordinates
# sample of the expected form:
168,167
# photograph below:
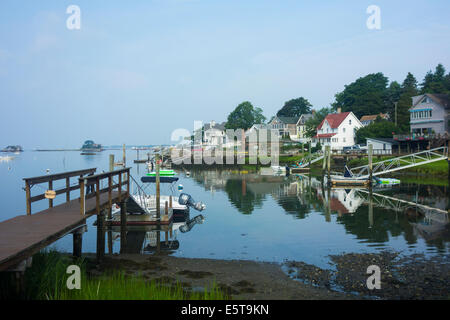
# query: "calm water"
253,216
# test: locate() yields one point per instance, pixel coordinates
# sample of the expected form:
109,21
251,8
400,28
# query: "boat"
348,179
142,208
386,181
162,173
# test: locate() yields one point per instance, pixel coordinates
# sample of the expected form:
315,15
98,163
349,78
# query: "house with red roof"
338,130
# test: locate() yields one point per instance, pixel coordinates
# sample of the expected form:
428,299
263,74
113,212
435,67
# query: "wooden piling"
82,197
68,189
370,154
166,209
158,191
100,235
28,196
123,226
111,162
310,154
77,243
329,162
50,187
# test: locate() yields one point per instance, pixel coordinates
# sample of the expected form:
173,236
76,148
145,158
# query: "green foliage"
436,82
244,116
46,280
295,108
377,129
367,95
315,120
409,90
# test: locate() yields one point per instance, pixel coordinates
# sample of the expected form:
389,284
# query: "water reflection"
152,238
374,217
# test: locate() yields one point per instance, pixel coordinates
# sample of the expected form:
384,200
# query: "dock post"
310,154
124,156
28,196
370,207
324,162
77,242
111,162
82,196
166,210
67,189
100,235
123,226
370,153
329,163
158,203
50,187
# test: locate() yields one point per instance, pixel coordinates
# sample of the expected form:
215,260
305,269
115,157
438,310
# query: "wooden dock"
24,235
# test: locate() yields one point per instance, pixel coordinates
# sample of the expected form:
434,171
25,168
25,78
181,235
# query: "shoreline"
411,277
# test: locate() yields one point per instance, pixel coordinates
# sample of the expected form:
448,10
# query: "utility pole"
395,103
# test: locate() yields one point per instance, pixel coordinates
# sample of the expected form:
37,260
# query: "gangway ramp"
400,163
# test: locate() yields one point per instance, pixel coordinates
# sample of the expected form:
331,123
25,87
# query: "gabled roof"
385,140
334,119
287,120
373,117
304,117
218,126
442,99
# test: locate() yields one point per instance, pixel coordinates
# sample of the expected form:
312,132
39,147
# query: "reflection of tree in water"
386,224
293,206
246,201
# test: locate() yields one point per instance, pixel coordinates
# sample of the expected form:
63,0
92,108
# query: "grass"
46,280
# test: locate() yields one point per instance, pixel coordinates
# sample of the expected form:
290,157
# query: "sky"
136,71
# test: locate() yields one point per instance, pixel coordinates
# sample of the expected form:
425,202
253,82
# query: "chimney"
339,110
213,123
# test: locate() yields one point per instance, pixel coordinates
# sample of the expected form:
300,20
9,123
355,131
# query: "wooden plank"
24,235
58,176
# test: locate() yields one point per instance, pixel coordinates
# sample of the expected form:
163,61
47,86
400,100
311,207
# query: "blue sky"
137,70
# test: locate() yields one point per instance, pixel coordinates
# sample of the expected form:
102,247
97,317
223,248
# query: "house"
337,130
286,126
301,126
429,114
214,134
383,145
366,120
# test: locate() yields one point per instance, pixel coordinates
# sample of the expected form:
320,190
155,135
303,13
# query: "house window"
343,129
344,139
350,121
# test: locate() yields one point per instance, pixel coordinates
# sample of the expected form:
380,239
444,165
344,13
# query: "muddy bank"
239,279
413,277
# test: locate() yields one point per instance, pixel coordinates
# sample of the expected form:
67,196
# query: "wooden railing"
29,182
90,181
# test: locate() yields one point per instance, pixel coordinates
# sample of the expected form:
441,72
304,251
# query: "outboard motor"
186,199
191,223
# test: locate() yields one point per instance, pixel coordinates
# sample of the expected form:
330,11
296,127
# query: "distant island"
90,146
12,149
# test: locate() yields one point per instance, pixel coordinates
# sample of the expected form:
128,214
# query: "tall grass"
46,280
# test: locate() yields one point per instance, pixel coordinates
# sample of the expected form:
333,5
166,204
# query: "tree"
295,108
244,116
312,123
434,82
367,95
394,92
409,90
377,129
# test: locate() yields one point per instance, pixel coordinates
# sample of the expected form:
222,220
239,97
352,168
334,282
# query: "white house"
301,127
337,130
214,134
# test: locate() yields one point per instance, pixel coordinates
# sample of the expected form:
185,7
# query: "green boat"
162,173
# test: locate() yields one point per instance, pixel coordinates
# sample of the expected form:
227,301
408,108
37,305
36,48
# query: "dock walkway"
24,235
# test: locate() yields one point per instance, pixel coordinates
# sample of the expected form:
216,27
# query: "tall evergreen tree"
409,90
434,82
